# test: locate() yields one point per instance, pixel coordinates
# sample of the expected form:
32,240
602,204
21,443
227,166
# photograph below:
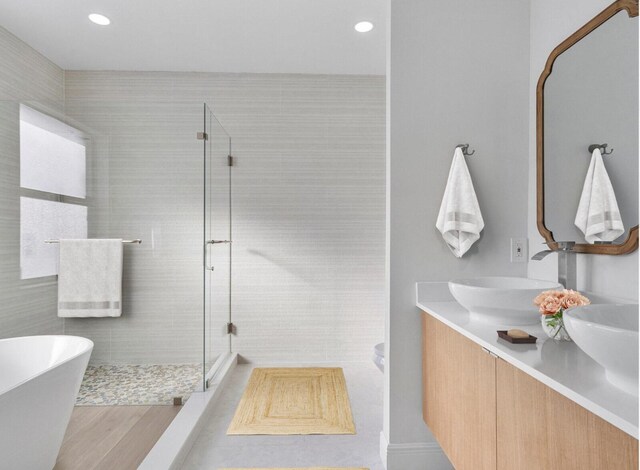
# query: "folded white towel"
459,220
598,215
90,278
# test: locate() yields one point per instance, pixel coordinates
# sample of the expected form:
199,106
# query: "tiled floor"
214,449
128,384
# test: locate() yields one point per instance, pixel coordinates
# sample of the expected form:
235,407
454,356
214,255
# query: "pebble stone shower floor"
127,384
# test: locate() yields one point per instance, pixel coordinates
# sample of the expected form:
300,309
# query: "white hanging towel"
459,220
90,278
598,216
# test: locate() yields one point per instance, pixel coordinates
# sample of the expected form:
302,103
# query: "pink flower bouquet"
552,304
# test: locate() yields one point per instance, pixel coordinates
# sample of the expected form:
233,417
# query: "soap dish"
503,334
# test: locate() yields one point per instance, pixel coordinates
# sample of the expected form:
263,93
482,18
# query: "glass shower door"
216,244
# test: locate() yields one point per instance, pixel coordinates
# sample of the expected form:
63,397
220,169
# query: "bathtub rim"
86,341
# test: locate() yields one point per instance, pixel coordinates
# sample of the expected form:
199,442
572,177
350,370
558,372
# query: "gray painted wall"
308,211
26,307
458,72
551,23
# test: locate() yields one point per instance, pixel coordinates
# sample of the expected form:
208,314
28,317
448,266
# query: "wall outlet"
519,250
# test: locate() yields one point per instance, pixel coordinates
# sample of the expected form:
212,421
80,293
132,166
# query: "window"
53,190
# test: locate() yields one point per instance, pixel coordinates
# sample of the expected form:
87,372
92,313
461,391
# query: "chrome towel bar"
137,241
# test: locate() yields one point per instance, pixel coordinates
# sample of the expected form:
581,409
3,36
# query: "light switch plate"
519,250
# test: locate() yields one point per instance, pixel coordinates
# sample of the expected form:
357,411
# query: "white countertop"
558,364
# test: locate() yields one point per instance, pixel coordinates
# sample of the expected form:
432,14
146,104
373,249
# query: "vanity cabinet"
539,428
459,396
487,414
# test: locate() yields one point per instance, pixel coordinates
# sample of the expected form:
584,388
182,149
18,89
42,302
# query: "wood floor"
112,437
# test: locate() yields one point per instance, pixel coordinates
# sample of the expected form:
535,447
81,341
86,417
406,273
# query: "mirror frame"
631,243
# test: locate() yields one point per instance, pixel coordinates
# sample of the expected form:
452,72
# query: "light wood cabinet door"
459,396
538,428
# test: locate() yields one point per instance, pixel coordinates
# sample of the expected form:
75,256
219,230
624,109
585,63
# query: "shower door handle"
206,252
206,255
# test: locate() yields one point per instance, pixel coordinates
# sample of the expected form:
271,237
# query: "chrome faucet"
566,263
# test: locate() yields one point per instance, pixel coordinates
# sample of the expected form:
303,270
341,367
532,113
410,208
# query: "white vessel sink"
504,301
609,334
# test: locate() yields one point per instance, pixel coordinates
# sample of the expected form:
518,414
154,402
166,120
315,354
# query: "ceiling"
272,36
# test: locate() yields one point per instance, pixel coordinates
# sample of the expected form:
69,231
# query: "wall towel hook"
465,149
602,147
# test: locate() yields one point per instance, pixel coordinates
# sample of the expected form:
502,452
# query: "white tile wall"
26,307
308,205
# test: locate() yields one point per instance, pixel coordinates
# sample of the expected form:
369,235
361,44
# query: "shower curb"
175,443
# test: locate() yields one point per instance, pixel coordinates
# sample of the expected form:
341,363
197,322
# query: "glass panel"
144,179
42,220
52,155
217,217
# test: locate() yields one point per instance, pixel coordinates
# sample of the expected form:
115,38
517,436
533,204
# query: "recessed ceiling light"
364,26
99,19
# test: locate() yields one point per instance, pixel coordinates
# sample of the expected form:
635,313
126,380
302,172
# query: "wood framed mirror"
590,98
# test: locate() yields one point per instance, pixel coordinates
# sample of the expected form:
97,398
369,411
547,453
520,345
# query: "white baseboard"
413,456
176,442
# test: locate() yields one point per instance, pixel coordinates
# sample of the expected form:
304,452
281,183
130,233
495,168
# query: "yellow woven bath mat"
287,401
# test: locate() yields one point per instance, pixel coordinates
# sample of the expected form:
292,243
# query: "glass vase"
553,326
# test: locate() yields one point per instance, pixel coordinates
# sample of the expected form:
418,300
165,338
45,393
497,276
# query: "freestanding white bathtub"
39,379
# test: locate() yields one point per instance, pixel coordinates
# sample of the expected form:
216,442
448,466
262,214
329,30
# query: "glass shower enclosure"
217,245
146,177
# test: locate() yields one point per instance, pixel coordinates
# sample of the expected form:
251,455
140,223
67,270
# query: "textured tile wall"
308,212
26,307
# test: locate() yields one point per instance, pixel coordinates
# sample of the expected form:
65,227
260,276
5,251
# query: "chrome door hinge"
229,160
490,353
203,136
231,329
